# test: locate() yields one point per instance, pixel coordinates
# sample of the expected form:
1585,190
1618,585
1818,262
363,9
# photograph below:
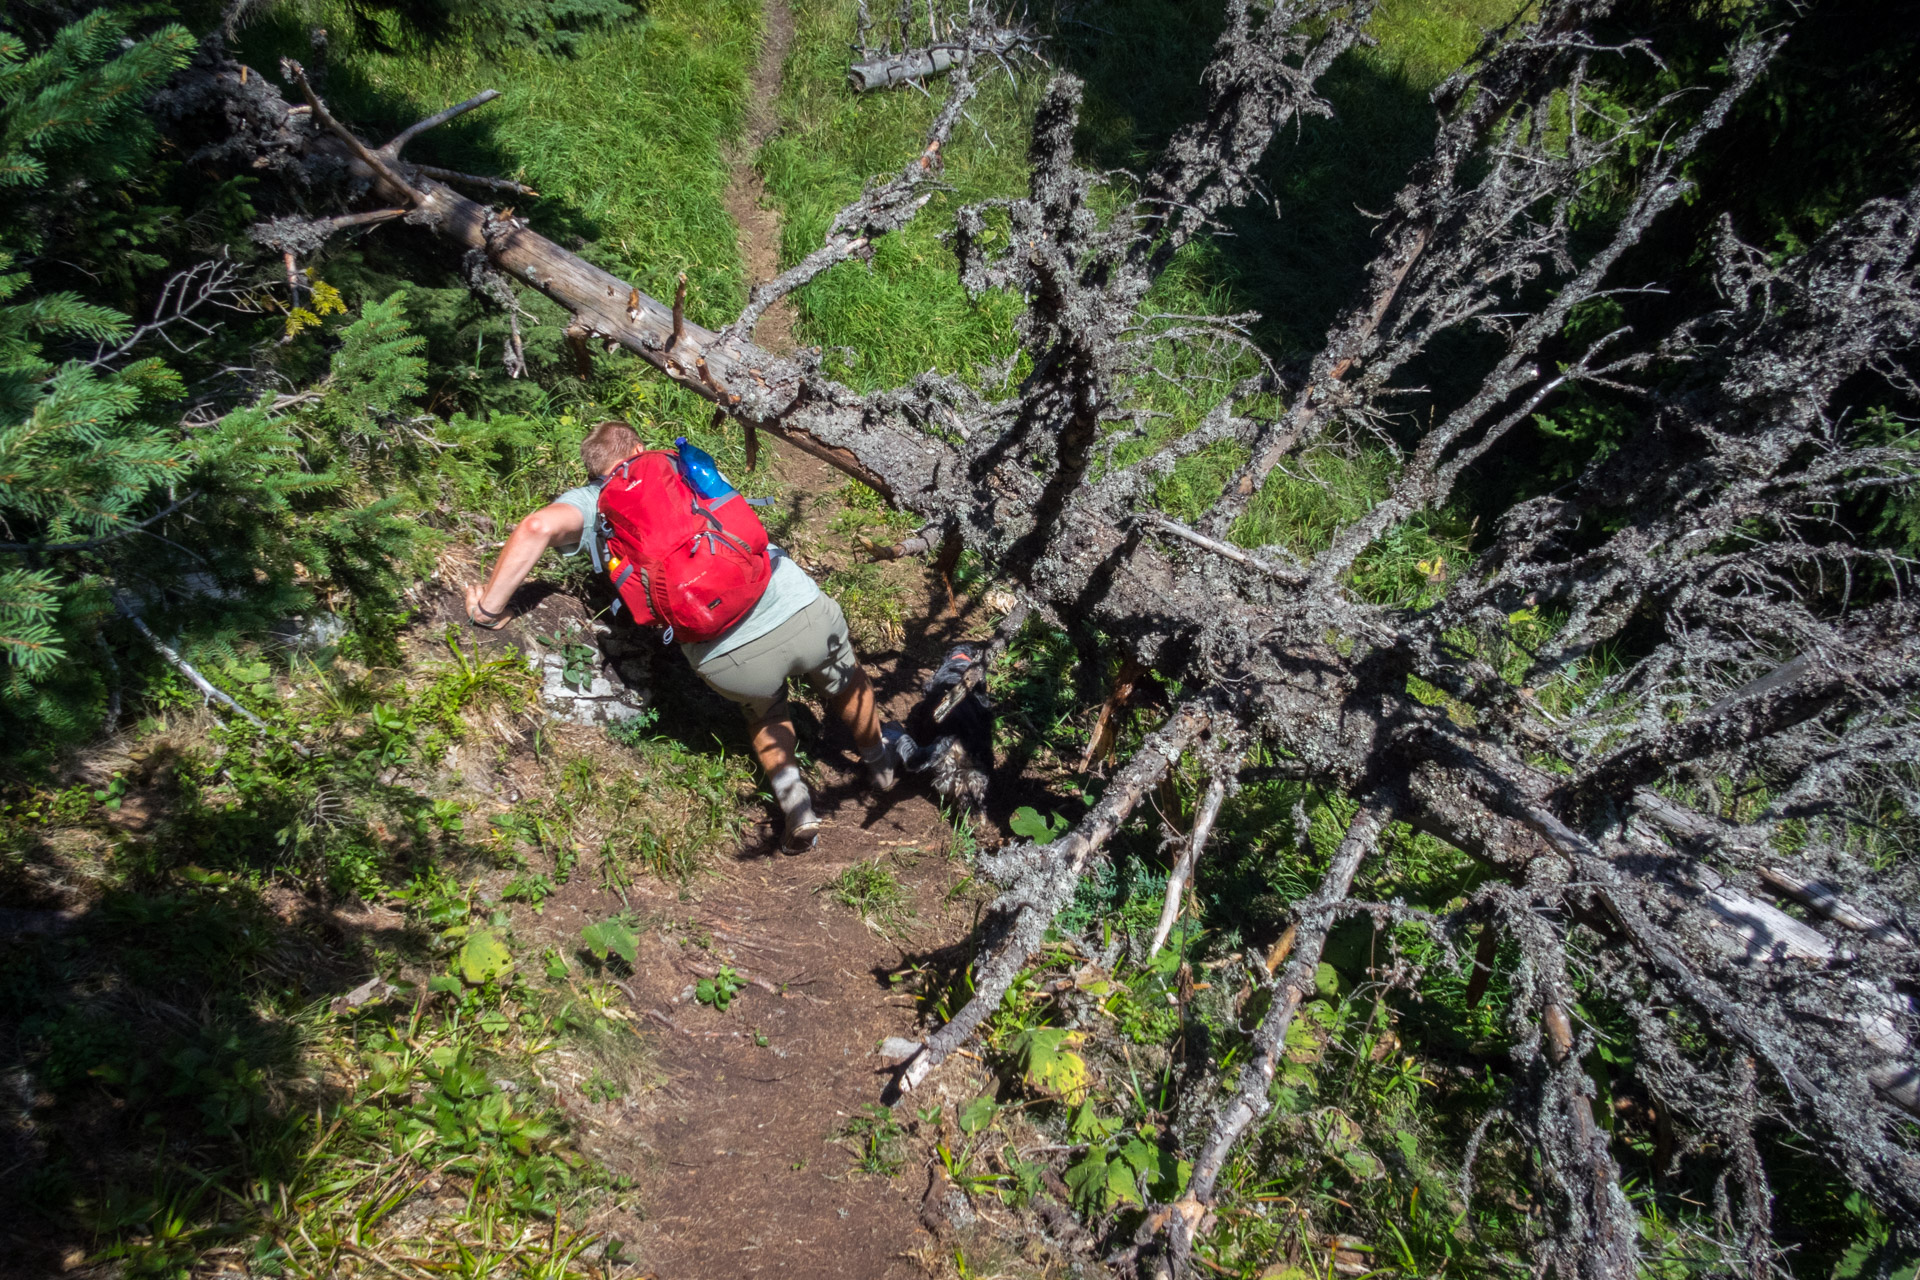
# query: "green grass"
872,891
624,141
876,1139
627,144
908,314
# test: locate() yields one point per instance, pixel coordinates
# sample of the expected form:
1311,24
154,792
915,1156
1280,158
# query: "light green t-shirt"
788,592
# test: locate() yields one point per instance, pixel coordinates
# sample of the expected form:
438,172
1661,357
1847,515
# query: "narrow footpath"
739,1165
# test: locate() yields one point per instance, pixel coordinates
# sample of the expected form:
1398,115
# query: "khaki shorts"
813,643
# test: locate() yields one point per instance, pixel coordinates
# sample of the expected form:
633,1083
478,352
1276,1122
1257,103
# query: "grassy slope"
908,314
624,141
197,1103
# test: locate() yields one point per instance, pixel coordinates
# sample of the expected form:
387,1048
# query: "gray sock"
790,793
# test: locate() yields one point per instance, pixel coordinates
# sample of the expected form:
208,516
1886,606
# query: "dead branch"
391,151
1250,1098
893,69
475,180
1040,880
1189,858
377,163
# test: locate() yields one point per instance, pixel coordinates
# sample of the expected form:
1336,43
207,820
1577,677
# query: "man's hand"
557,525
478,613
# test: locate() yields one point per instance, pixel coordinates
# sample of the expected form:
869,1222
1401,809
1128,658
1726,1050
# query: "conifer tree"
109,505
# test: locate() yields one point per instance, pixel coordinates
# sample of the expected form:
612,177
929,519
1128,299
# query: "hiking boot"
883,766
803,832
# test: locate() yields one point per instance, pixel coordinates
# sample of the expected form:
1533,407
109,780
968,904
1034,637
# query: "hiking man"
789,627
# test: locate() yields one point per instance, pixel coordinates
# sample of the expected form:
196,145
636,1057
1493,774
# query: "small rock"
366,993
602,702
306,635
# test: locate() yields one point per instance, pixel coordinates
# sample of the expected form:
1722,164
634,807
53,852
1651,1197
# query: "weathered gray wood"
893,69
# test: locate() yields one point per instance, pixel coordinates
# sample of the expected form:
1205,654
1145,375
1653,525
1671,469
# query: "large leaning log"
747,381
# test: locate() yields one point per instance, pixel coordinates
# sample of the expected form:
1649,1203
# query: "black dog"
956,723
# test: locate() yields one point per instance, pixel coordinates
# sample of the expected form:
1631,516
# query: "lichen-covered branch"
1039,880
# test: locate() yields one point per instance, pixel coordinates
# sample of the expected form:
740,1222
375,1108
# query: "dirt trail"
745,198
735,1154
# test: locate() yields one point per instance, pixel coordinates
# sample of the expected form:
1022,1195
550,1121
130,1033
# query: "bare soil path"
739,1166
746,194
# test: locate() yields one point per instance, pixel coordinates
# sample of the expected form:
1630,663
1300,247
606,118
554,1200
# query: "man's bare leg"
857,708
773,746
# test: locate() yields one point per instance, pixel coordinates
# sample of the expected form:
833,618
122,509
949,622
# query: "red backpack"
690,564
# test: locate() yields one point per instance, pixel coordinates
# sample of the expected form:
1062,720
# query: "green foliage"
1027,823
623,140
876,612
977,1115
550,27
871,889
29,604
1121,1168
1048,1064
719,990
610,938
483,957
53,315
377,370
906,312
581,660
71,120
877,1140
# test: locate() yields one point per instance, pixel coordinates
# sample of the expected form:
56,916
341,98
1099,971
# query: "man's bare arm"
556,525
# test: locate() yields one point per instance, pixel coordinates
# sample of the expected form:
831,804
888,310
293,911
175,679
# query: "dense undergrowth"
1363,1166
266,1010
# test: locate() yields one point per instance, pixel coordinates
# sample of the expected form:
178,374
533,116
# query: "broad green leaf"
1122,1188
1363,1165
1088,1125
483,957
1345,1140
978,1114
1169,1192
610,937
1051,1066
1065,1076
1029,825
1088,1180
1140,1155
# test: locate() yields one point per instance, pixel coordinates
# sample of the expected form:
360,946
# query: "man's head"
608,445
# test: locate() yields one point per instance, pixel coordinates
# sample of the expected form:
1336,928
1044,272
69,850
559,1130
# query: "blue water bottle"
697,468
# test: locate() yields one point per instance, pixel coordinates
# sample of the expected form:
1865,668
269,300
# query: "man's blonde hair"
608,445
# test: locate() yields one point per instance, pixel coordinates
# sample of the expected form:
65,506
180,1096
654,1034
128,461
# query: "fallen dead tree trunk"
886,70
